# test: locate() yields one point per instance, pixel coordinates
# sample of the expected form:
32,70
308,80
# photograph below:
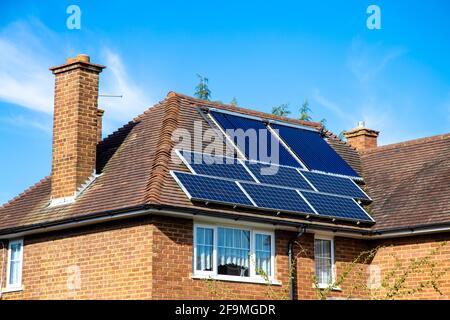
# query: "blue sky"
264,53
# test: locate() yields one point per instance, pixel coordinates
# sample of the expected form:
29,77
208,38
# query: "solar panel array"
211,189
276,198
336,207
313,150
281,187
335,185
278,175
244,129
216,166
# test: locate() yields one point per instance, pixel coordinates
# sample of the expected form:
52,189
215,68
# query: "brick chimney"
76,125
361,138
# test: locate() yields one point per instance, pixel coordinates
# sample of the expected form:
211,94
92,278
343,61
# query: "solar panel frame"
223,198
227,120
235,170
296,181
257,192
335,185
323,209
313,150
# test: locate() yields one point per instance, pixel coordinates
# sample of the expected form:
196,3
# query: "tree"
305,111
281,110
202,90
234,102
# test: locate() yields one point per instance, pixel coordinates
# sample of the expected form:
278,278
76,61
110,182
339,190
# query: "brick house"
110,222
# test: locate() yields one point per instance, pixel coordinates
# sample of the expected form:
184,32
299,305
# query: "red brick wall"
346,251
396,255
151,258
75,132
114,261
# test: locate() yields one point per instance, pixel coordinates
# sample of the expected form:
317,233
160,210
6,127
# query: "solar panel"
313,150
211,189
275,198
278,175
261,145
335,185
224,167
337,207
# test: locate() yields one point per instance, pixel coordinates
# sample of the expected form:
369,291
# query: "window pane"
15,251
322,253
14,273
204,248
233,250
14,263
263,254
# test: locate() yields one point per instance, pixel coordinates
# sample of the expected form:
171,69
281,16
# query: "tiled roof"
135,162
409,182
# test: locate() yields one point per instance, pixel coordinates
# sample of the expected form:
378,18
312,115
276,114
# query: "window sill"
236,279
324,286
12,289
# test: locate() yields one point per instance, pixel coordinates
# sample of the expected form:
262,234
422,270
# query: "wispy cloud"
29,48
367,61
28,122
24,76
340,112
118,82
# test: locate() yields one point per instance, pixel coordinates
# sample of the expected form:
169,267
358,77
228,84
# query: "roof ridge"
337,139
27,190
408,143
162,155
260,114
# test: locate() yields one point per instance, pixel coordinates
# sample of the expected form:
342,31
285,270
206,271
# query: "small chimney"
76,126
361,138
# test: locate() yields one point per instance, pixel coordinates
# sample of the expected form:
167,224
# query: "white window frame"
253,277
333,262
15,286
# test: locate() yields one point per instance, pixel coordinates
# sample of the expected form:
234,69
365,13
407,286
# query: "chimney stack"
76,126
361,138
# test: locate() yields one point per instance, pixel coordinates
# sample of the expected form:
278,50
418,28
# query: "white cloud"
24,76
27,122
117,82
332,106
28,49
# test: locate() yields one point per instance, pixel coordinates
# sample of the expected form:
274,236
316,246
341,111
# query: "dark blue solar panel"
263,139
278,175
335,185
274,198
334,206
313,150
212,189
216,166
